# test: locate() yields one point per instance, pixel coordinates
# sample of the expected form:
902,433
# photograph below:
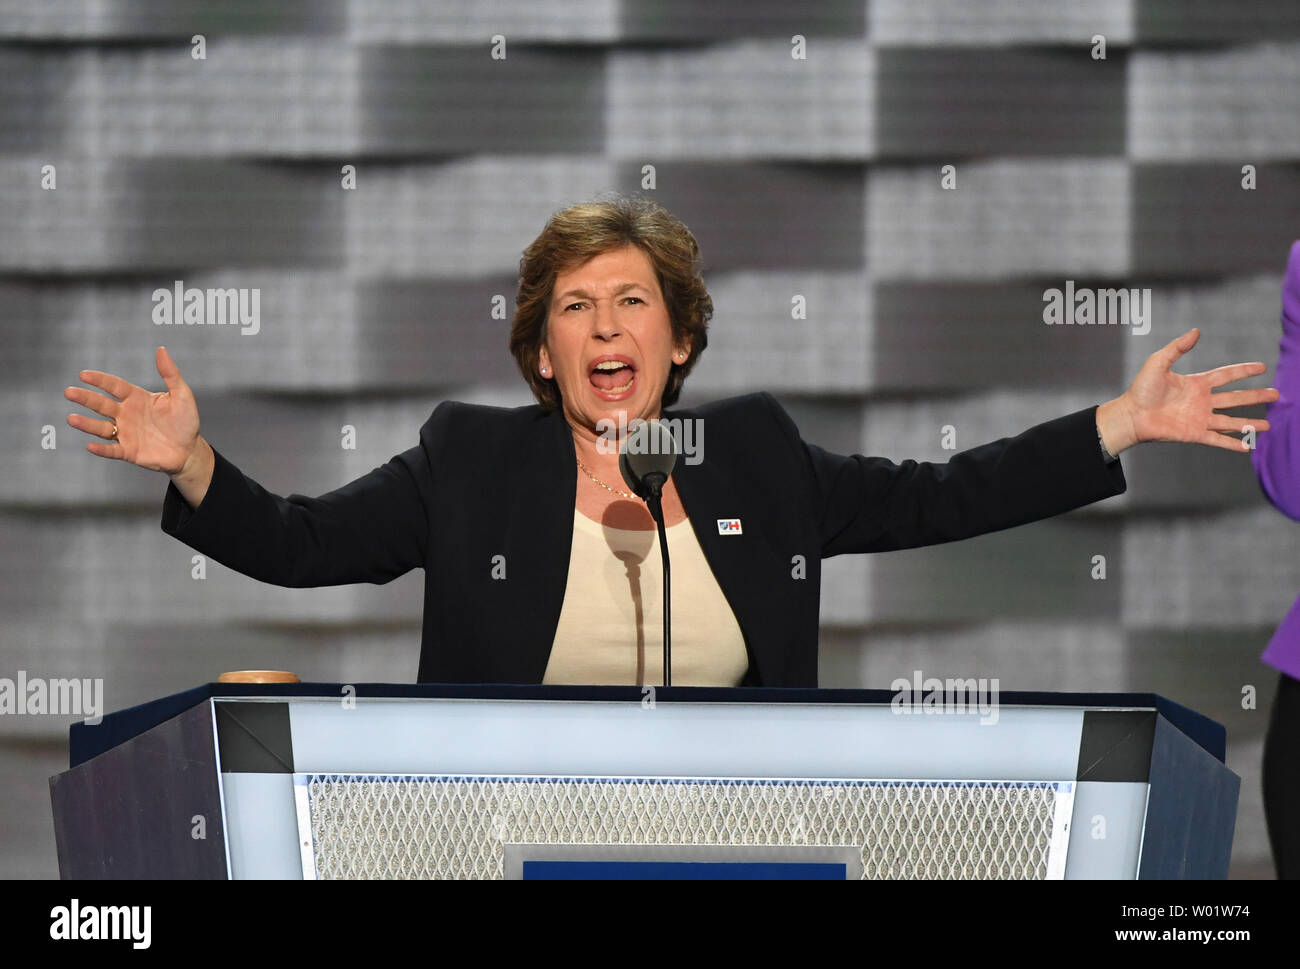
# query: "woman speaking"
541,568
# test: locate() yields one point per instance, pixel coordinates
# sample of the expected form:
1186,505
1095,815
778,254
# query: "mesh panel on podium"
457,826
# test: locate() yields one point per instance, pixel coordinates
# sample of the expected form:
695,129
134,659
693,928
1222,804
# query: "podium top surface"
90,740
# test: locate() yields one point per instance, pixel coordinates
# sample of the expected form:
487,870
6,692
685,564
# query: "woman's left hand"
1161,405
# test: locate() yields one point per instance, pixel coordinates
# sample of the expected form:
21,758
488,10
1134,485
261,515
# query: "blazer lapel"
708,495
545,494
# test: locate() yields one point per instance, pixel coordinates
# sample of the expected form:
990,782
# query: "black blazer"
486,482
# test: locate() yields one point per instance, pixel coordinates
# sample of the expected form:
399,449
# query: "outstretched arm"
373,529
370,530
870,504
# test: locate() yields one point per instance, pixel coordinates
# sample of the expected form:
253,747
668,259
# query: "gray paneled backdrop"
817,176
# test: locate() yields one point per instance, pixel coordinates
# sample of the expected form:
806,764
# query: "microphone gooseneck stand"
646,459
654,484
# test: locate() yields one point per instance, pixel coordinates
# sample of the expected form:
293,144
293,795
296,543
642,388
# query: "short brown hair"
581,232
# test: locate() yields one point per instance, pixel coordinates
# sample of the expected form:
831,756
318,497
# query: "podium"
312,780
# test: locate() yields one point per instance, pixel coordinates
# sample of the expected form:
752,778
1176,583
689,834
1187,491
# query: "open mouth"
612,377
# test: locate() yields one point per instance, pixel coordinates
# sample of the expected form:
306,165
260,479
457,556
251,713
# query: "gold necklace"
589,474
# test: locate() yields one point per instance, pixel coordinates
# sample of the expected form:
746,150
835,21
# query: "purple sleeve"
1277,451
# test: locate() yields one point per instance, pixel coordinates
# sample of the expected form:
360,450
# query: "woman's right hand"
155,431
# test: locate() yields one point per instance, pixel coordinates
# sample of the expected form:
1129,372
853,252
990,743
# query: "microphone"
646,458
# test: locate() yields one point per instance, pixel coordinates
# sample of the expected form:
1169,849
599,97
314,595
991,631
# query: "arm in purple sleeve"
1277,452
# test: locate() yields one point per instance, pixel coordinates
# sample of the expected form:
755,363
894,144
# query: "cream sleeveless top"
611,623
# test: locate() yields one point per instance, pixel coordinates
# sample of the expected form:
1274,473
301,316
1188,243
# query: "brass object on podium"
258,676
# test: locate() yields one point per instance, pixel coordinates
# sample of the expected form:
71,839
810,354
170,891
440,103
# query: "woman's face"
609,340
